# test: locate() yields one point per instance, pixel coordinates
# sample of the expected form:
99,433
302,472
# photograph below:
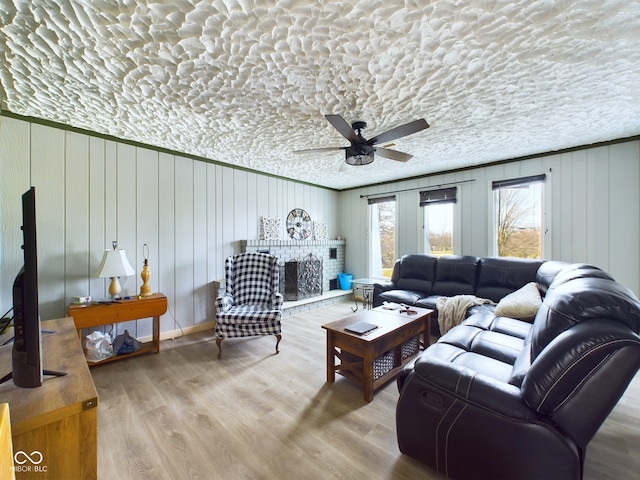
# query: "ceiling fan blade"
344,166
393,154
401,131
341,125
326,149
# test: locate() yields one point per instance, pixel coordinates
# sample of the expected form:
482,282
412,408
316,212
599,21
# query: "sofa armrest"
469,386
468,425
381,287
384,286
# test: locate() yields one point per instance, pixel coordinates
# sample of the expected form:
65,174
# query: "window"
437,214
382,237
518,217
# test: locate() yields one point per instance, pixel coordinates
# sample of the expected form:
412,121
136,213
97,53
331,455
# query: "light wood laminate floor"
184,414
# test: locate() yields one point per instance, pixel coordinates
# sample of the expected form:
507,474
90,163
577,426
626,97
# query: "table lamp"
114,264
145,274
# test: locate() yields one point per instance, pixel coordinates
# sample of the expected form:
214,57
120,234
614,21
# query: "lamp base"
115,288
145,288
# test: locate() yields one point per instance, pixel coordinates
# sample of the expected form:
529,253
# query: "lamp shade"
115,264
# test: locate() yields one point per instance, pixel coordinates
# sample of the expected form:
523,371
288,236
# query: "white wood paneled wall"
593,210
192,214
91,190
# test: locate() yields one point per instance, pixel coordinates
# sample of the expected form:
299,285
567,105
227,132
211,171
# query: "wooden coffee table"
376,357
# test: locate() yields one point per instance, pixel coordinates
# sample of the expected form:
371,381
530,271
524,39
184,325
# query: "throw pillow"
522,304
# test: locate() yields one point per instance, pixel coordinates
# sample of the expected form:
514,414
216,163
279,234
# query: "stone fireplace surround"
287,250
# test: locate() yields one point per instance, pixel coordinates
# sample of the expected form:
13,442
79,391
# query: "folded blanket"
453,310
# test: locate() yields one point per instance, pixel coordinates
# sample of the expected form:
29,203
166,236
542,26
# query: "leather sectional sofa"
503,397
420,280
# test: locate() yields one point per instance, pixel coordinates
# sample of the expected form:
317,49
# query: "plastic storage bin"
345,280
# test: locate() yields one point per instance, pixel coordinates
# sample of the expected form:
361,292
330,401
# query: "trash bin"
345,280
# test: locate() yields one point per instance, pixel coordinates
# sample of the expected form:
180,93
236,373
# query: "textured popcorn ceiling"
245,82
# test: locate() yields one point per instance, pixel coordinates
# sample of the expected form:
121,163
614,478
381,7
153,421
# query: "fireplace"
301,278
330,252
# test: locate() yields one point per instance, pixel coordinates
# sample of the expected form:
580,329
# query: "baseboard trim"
171,334
289,308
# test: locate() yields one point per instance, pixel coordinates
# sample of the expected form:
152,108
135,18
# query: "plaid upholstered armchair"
251,304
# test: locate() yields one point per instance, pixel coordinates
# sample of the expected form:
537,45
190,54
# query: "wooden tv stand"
54,426
98,314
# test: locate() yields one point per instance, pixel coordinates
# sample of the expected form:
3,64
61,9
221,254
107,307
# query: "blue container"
345,280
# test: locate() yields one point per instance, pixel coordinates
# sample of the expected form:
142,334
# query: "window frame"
439,196
370,261
545,203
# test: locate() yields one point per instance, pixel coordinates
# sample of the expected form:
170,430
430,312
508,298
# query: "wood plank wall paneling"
580,191
76,215
623,192
192,214
200,242
91,191
592,202
14,155
163,269
97,219
597,238
126,206
185,196
47,174
147,219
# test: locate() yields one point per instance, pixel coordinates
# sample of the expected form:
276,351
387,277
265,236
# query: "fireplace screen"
303,278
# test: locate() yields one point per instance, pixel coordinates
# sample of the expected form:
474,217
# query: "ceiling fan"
361,151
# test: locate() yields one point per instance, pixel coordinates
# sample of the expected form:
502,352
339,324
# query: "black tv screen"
27,345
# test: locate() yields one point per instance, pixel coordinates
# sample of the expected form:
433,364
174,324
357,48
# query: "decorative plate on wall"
299,224
270,228
320,231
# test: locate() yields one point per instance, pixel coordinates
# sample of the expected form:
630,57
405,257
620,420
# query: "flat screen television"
27,344
27,371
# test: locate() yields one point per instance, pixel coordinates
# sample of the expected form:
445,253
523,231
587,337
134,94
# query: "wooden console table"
98,314
54,426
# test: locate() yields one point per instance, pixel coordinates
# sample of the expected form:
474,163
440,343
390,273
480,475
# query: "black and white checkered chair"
251,304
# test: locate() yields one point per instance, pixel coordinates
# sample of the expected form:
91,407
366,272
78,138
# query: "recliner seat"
498,397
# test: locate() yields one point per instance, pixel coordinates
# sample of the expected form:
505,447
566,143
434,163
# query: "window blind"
518,182
389,198
441,195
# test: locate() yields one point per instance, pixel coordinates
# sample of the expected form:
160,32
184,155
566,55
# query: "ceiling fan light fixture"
361,154
359,159
361,151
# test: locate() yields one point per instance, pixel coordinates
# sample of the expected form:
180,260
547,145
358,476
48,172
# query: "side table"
97,314
365,285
